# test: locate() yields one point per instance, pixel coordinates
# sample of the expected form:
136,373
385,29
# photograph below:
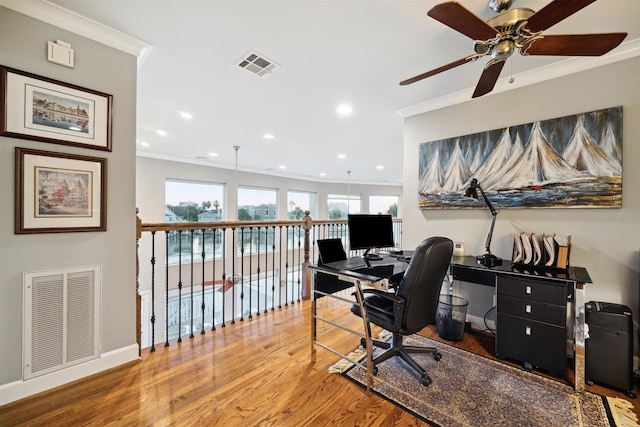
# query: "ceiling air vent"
257,63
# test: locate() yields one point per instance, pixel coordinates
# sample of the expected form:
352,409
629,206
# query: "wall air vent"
257,63
61,319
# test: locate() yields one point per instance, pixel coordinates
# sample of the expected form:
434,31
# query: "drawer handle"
527,290
527,330
527,308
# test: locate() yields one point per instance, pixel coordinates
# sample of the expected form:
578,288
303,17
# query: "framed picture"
58,192
566,162
42,109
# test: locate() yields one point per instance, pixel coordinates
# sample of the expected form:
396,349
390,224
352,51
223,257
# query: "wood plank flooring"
254,373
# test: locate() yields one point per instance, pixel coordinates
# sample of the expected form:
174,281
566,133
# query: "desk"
359,279
510,279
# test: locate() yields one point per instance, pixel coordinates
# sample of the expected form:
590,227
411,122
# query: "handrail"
257,250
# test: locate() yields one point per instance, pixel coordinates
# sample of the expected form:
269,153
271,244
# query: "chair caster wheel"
425,380
375,370
631,394
589,382
363,343
437,356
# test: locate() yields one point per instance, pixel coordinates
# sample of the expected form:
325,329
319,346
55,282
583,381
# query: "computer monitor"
369,232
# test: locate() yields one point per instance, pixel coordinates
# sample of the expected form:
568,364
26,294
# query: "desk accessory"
488,259
543,251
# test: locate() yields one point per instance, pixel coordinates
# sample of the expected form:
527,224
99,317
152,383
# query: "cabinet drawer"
541,344
532,310
536,290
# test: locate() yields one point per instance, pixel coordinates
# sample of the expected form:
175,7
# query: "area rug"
471,390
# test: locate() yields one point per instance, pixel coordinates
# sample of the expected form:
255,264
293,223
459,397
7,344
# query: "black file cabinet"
609,348
531,322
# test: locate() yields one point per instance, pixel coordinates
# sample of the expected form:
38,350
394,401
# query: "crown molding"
627,50
50,13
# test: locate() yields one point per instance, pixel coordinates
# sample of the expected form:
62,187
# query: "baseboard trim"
17,390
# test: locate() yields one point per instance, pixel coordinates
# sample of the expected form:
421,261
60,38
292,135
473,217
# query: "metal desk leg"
579,337
367,334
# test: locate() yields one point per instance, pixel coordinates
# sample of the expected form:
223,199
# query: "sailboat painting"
567,162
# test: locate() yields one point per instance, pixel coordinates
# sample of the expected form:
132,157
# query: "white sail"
431,180
538,165
457,172
584,154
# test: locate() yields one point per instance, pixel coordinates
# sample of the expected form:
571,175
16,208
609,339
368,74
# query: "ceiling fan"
516,29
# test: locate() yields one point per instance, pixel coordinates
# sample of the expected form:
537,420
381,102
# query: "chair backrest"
422,281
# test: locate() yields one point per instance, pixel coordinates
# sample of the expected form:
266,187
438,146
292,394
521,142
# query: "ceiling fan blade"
555,12
461,19
488,79
438,70
575,44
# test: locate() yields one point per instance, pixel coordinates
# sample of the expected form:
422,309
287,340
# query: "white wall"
153,173
605,241
23,43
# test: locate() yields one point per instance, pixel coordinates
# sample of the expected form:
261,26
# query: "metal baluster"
280,268
234,275
286,267
213,284
273,270
224,275
202,304
191,290
180,286
153,291
166,299
251,271
299,263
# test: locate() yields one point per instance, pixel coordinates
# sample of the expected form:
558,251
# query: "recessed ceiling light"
213,154
344,109
323,174
144,144
380,167
268,136
162,132
186,115
282,167
342,156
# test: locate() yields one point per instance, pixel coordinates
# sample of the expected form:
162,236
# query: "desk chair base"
396,348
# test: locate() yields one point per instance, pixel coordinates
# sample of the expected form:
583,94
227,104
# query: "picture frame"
572,162
59,192
47,110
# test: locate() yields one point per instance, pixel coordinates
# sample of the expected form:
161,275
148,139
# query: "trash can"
451,316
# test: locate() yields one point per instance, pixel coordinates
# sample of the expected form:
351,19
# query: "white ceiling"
329,52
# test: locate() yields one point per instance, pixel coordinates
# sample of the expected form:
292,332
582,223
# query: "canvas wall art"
567,162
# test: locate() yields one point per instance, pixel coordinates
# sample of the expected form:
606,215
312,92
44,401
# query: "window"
193,202
298,202
384,205
337,205
256,204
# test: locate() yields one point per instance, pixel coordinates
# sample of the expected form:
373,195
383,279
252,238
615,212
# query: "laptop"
331,250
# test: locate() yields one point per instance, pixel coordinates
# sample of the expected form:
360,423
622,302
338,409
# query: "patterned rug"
471,390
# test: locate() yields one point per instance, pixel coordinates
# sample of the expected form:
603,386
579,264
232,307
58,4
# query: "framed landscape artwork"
567,162
57,192
42,109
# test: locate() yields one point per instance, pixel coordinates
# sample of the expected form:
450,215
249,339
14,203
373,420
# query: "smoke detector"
257,64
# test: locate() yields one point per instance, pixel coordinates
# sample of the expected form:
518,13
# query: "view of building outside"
187,201
298,202
340,205
384,205
257,204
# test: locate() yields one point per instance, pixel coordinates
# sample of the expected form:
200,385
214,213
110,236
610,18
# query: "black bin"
451,316
609,348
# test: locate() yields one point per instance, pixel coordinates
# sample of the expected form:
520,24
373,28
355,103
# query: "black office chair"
414,304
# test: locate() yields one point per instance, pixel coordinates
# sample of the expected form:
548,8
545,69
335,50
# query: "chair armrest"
383,294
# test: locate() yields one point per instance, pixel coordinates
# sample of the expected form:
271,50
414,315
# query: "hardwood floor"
255,373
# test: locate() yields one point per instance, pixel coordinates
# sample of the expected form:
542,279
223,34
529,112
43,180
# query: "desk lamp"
488,259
